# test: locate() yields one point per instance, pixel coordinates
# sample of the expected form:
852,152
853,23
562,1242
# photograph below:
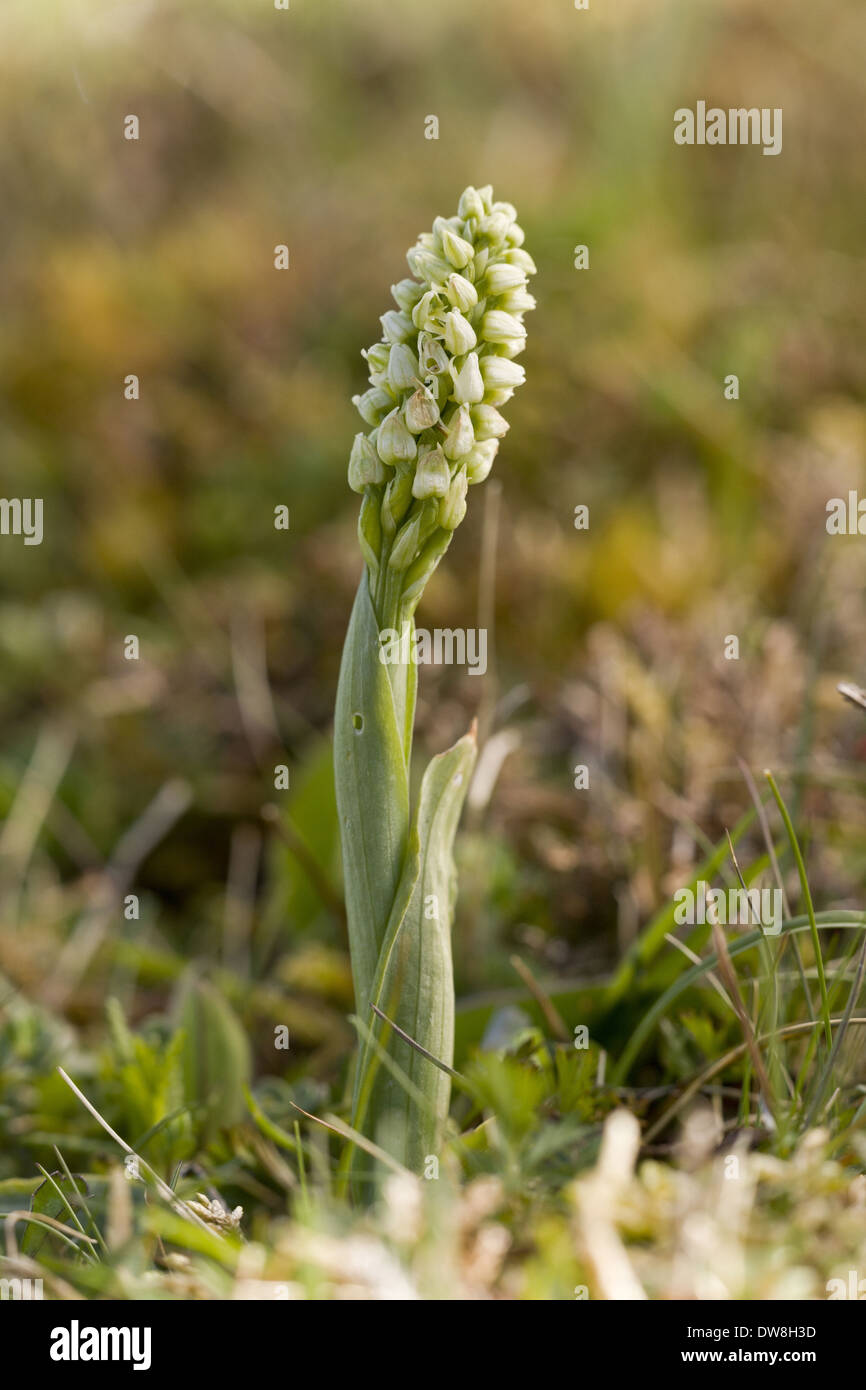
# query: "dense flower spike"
437,379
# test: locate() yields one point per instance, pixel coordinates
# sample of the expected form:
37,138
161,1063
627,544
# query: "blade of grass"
807,900
443,1066
652,938
826,1074
775,1068
339,1127
162,1187
67,1234
721,1063
542,999
302,1167
66,1200
729,976
268,1126
827,920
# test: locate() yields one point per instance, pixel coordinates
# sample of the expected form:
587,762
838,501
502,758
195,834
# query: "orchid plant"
437,379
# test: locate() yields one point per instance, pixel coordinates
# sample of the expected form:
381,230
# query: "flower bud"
406,294
428,311
460,436
470,204
517,301
394,442
457,249
479,460
494,228
373,404
452,508
421,410
487,422
501,374
432,475
461,293
396,328
502,276
397,500
405,547
468,381
403,369
507,209
427,266
486,195
460,336
365,467
376,357
498,398
514,256
370,531
431,355
499,327
479,265
516,235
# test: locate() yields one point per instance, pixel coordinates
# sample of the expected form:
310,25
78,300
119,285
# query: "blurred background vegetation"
707,516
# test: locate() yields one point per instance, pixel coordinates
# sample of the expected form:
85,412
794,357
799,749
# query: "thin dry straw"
162,1187
720,1063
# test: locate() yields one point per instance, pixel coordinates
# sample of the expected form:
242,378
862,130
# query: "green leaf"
217,1062
54,1197
372,738
414,982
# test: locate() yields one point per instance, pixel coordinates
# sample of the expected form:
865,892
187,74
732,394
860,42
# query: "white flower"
394,442
460,336
437,379
488,423
461,292
468,381
500,373
499,327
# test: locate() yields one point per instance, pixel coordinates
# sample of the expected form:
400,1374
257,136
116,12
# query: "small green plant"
787,1027
437,379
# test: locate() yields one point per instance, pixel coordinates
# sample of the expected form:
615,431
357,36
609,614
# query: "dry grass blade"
729,975
695,959
177,1205
134,846
790,1030
853,693
437,1061
545,1003
339,1127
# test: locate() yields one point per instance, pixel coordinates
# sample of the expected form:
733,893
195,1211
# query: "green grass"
137,1174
